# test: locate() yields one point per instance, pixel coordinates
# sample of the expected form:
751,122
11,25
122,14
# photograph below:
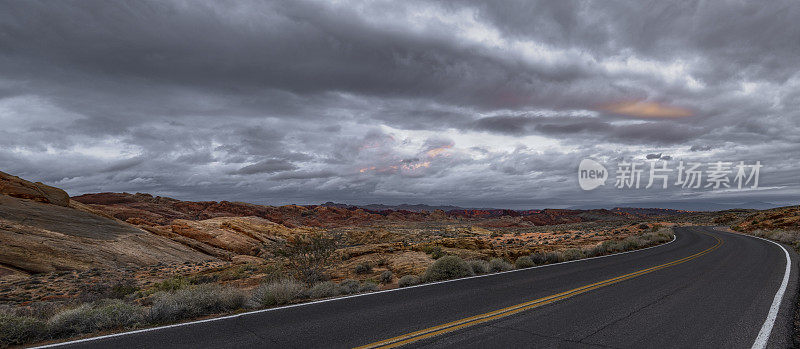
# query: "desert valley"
138,250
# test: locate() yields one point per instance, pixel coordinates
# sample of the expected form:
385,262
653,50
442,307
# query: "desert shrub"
325,289
554,257
634,242
171,284
593,251
447,267
195,301
92,317
435,251
523,262
236,273
308,254
539,258
368,286
408,280
122,289
277,292
92,292
478,266
498,265
17,330
38,310
386,277
204,279
363,268
783,237
349,286
573,254
611,246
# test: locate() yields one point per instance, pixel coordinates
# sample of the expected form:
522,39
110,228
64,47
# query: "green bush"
368,286
349,286
556,257
573,254
408,280
478,266
122,289
277,292
325,289
171,284
195,301
498,265
447,267
93,317
611,246
539,258
524,262
594,251
386,277
435,251
18,330
363,268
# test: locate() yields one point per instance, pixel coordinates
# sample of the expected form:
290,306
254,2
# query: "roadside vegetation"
124,307
779,224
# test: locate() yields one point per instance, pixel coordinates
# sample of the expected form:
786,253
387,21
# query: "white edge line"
766,330
53,345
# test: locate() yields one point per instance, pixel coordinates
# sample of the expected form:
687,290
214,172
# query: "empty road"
707,289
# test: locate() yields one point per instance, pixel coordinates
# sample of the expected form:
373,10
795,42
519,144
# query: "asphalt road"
706,289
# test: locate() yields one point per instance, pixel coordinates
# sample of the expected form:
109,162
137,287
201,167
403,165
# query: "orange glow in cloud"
412,167
438,151
647,110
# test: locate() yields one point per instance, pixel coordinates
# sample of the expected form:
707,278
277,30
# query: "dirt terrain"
60,251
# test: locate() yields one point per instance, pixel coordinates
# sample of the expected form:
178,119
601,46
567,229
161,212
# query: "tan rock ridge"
41,230
253,236
19,188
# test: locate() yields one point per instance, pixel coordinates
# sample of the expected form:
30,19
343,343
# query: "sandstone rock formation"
19,188
42,231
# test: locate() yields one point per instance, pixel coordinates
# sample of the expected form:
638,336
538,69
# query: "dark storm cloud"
458,102
266,166
700,148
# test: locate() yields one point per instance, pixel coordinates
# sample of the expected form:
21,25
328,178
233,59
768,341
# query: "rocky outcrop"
776,219
19,188
38,237
145,209
251,236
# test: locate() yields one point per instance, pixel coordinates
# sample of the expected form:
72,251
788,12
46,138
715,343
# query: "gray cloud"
459,102
266,166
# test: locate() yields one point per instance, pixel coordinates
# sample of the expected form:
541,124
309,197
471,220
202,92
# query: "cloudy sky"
396,101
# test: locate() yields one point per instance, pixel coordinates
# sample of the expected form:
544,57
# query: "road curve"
708,289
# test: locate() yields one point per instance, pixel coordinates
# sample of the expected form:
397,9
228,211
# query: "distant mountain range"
404,207
451,208
690,205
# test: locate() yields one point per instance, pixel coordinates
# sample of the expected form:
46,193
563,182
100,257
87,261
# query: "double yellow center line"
501,313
